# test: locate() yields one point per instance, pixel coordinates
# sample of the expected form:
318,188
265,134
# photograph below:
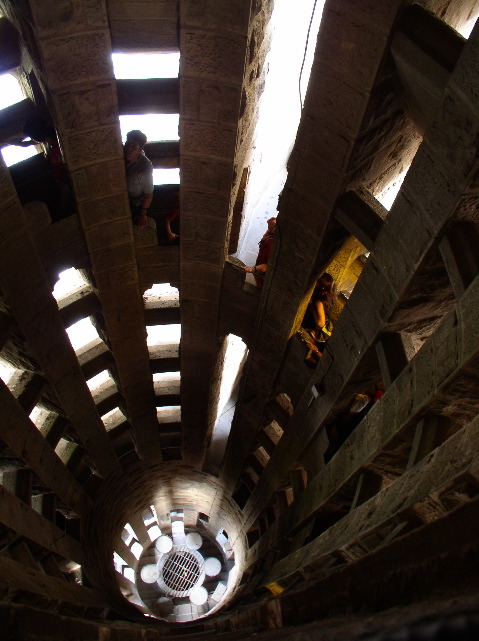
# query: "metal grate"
181,571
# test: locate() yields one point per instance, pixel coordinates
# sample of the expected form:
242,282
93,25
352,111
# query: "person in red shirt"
265,245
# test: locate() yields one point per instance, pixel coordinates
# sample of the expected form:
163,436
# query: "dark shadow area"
165,202
34,181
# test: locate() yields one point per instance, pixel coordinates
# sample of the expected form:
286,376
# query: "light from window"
156,127
99,379
82,333
127,66
166,176
10,94
163,334
6,371
68,281
10,90
13,154
161,295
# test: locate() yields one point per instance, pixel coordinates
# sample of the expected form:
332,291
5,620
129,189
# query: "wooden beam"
425,51
433,476
79,304
395,416
362,215
459,252
27,522
19,577
28,292
394,351
19,483
23,438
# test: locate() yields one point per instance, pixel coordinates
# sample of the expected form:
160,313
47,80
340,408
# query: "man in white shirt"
139,176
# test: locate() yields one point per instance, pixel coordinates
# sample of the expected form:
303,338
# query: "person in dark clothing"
265,245
317,326
51,184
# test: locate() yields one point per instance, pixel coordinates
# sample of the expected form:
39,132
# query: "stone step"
162,315
53,428
107,396
19,482
79,304
160,365
170,430
20,551
166,400
70,454
45,505
151,95
94,358
27,388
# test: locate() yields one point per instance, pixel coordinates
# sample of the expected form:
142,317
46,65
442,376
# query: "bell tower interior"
176,459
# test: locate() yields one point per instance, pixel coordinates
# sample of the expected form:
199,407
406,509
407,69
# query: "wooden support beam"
362,215
369,484
19,577
80,304
298,479
425,51
162,365
440,41
430,431
27,388
281,500
50,566
53,428
164,154
394,352
19,483
266,442
165,400
94,358
146,96
104,215
126,554
28,292
430,478
20,552
71,455
162,315
27,522
459,252
23,438
395,417
140,530
45,505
